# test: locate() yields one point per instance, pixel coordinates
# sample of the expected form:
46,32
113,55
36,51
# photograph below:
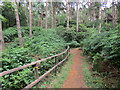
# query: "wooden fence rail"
36,63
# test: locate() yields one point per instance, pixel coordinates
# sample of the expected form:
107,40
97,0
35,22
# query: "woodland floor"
75,77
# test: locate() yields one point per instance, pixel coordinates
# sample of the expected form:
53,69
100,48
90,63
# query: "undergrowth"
103,51
92,81
42,44
56,81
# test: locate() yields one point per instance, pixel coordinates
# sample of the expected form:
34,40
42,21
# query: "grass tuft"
90,80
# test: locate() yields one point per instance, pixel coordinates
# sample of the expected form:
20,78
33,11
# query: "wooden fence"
37,63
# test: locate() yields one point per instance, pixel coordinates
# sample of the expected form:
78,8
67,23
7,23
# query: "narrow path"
75,77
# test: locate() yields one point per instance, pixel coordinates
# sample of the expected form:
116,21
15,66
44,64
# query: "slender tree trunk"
106,15
38,23
30,14
41,17
27,21
46,25
70,12
81,16
1,38
54,19
90,10
94,18
113,14
76,15
52,14
18,24
90,15
100,19
94,15
67,5
118,13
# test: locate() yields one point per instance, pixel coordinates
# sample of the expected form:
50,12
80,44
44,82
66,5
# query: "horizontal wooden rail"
33,63
45,74
64,54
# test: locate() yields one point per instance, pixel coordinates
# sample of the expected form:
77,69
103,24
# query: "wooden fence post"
36,74
64,56
56,61
68,53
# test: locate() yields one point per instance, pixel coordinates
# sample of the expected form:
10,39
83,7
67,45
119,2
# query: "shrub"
46,43
73,44
42,44
13,59
71,34
11,33
103,46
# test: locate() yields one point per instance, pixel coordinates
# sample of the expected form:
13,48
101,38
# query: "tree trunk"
67,13
76,15
1,38
118,13
82,13
106,15
30,14
113,14
27,21
41,16
100,19
18,24
46,25
54,19
90,11
70,12
52,15
38,24
94,15
94,18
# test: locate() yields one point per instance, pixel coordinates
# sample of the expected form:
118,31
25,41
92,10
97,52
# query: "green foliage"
92,23
72,37
8,12
61,18
47,43
102,47
118,9
14,58
103,52
56,81
11,33
2,18
107,27
91,79
73,44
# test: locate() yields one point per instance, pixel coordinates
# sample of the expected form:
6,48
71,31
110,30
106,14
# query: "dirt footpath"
75,77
